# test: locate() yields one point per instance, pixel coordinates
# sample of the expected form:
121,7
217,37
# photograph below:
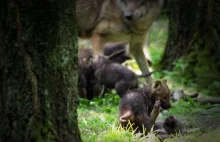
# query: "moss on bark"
194,37
38,90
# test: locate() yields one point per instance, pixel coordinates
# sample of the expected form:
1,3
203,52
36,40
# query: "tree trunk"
38,69
194,37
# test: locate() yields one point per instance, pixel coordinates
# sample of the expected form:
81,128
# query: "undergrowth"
180,78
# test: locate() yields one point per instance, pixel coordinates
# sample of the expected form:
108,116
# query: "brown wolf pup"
142,106
118,20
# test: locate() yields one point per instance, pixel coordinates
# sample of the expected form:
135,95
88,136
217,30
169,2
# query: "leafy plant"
183,107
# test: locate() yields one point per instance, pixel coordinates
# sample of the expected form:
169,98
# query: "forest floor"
98,120
196,118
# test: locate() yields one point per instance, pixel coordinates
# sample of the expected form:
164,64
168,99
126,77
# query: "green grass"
97,115
186,107
98,121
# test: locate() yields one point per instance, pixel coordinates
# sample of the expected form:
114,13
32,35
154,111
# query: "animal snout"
166,105
128,16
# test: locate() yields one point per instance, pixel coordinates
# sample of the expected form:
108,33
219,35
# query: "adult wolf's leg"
136,48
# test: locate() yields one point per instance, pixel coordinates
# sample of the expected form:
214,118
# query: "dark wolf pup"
142,106
168,127
114,75
96,72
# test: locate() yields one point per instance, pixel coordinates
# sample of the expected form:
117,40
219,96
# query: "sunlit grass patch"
115,134
119,134
95,122
97,115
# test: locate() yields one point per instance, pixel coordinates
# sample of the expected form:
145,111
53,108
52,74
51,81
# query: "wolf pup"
142,106
87,83
168,127
114,75
118,20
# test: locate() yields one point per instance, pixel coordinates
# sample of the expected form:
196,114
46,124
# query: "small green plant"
214,87
183,107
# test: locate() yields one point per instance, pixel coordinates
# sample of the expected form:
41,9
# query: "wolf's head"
134,10
162,93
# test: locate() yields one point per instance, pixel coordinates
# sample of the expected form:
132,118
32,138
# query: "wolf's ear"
94,58
156,84
85,61
164,80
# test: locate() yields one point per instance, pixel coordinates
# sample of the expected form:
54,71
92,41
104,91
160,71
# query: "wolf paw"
157,105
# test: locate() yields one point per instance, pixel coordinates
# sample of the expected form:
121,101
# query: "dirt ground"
202,120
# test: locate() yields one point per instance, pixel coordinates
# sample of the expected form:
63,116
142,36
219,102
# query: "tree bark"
38,69
194,36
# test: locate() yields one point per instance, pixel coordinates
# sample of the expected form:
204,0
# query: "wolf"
141,107
118,21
